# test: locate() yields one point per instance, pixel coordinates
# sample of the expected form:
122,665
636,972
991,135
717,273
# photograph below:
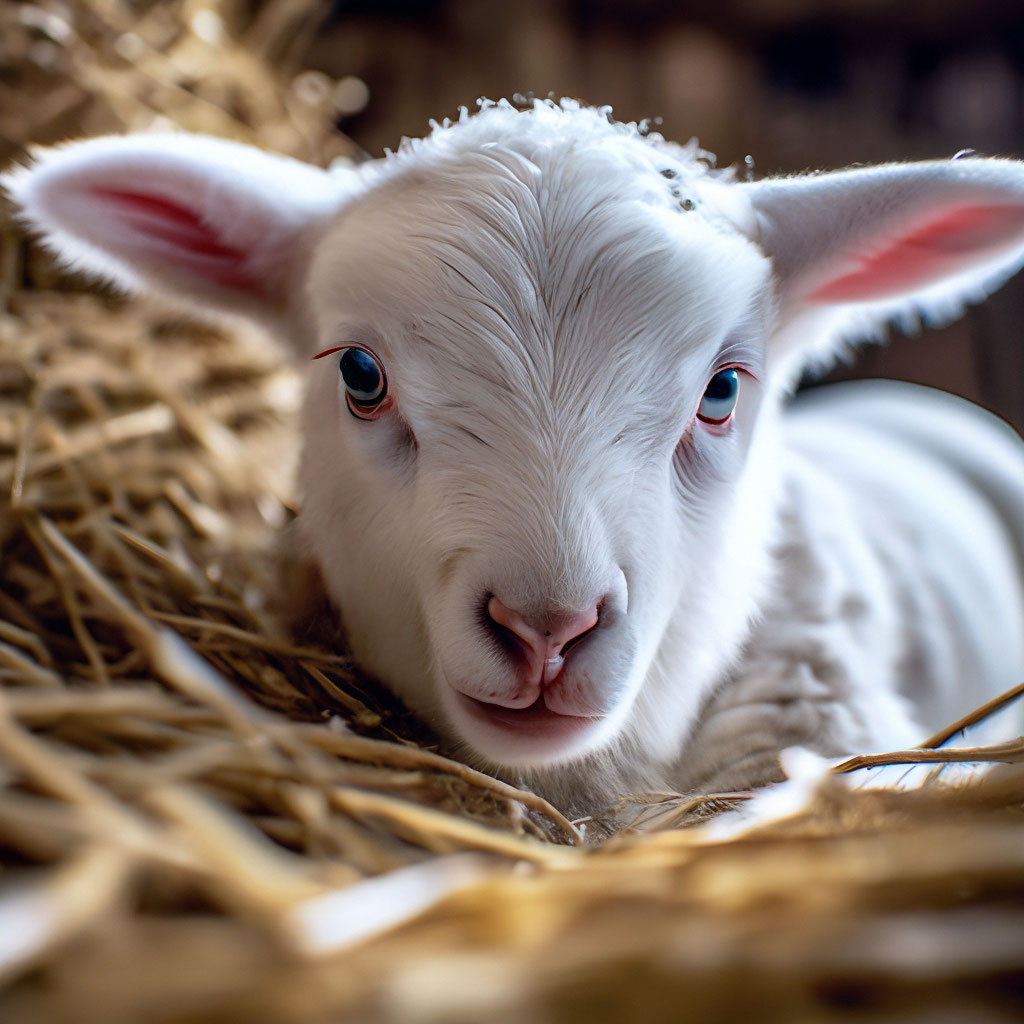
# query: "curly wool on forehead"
537,180
549,134
546,123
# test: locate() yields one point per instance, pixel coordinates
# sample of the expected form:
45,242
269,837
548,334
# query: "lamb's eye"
364,379
720,396
366,383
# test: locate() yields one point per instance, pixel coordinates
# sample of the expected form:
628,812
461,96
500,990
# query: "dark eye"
720,396
365,383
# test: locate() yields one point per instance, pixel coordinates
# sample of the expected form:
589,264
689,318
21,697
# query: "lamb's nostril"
544,647
573,629
582,635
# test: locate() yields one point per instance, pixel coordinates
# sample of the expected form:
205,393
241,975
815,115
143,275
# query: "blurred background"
783,85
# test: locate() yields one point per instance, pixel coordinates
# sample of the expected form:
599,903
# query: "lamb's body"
558,493
900,556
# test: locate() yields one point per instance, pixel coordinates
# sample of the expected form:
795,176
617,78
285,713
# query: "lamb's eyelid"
742,354
349,344
331,351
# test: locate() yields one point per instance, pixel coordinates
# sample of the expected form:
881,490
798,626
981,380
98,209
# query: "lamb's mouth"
537,720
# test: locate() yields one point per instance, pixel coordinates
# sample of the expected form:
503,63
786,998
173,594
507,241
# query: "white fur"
549,308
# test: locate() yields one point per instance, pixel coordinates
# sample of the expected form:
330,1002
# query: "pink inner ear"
950,243
181,235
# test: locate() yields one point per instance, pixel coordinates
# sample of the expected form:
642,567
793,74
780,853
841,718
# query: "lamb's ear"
200,220
854,248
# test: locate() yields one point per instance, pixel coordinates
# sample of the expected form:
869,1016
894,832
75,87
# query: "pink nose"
545,648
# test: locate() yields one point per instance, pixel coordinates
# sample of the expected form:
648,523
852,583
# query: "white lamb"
552,474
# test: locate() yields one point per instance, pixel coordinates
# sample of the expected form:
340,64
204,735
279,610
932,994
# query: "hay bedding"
205,818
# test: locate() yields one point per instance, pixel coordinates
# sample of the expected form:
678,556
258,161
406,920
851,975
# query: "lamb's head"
564,379
546,356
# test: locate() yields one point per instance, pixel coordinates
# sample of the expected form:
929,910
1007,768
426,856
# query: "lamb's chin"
530,737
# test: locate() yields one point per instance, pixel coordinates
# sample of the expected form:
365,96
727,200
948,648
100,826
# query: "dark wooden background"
793,83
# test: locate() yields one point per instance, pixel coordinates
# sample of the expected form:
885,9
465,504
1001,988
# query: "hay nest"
205,819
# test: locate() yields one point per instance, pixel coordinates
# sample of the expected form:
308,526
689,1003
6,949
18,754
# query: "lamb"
553,475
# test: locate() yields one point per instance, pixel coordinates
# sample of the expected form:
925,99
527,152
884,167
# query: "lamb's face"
515,479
